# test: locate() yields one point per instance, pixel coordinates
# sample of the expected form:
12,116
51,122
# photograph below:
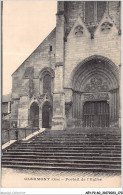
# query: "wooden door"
96,114
34,114
45,119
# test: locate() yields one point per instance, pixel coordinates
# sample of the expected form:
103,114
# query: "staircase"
82,150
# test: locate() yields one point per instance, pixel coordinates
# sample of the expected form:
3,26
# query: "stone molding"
59,64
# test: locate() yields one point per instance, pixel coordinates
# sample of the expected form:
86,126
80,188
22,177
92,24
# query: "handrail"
10,129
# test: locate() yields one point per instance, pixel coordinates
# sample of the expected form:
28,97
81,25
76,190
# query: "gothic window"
47,83
46,77
94,11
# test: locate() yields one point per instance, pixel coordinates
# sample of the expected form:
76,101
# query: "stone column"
58,121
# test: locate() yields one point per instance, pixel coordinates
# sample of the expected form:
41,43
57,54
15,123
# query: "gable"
79,29
40,48
106,27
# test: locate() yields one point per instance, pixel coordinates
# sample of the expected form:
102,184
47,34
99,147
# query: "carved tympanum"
106,27
78,30
96,84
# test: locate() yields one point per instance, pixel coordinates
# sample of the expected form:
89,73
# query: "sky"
25,25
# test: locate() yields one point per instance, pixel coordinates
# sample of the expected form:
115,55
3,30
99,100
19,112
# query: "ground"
25,178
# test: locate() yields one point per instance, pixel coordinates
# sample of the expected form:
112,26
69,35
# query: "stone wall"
78,49
74,9
69,44
40,58
23,79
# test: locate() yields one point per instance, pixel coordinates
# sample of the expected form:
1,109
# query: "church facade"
72,79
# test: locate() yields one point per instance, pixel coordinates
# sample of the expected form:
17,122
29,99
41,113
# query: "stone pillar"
58,121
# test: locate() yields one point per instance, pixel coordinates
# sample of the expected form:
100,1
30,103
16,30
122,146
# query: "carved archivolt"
95,68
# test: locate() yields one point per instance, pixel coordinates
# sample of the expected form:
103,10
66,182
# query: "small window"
50,47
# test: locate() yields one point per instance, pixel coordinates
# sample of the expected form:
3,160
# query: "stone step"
94,169
67,150
67,145
77,134
35,156
113,148
77,139
77,142
64,153
70,135
81,165
86,130
64,150
62,160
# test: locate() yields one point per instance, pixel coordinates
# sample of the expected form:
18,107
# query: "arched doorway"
95,86
34,114
96,114
46,115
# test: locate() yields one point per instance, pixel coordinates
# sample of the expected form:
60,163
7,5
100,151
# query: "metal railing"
12,130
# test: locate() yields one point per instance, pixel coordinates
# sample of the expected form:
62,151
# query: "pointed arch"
45,70
96,80
95,65
46,77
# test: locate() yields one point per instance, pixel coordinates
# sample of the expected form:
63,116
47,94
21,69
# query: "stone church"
72,79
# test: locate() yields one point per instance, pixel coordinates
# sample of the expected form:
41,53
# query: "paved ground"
18,178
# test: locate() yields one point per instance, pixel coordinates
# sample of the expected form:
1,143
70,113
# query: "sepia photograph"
61,94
